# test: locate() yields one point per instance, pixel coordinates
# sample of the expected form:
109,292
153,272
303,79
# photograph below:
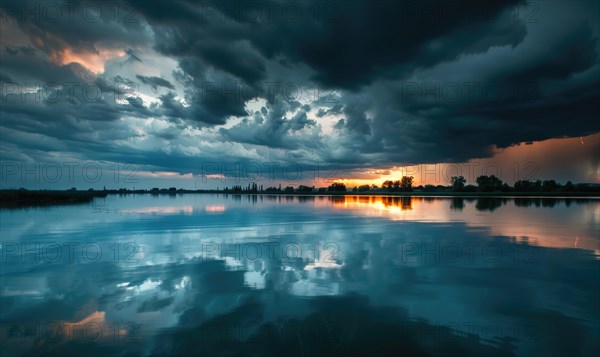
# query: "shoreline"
33,198
593,195
41,198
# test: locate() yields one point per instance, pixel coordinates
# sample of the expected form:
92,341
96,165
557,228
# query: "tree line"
483,183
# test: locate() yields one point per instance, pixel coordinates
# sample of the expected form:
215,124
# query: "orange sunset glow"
92,61
524,161
505,221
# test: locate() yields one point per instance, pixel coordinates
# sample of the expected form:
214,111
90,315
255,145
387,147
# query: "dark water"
300,276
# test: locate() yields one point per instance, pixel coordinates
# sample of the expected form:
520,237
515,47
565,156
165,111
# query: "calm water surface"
289,275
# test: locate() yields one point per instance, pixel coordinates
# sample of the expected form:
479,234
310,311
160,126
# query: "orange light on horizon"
506,220
392,207
522,161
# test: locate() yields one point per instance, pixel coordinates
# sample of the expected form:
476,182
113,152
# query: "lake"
302,275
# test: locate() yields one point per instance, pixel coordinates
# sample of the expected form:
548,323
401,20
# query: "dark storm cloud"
27,65
17,50
357,44
80,26
349,44
348,47
212,95
364,41
547,87
5,78
393,66
61,108
155,82
336,109
272,128
236,59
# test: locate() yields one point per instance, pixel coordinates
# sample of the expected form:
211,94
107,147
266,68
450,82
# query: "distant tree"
458,183
363,188
305,189
489,183
406,183
289,189
550,185
388,185
337,187
569,187
522,185
528,186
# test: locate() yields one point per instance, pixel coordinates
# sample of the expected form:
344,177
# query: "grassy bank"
26,198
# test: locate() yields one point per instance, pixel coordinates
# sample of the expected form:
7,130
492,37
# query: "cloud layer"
172,85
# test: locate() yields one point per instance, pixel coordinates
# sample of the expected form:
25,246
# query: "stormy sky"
205,94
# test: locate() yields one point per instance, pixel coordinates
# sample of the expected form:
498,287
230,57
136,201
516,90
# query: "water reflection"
302,275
